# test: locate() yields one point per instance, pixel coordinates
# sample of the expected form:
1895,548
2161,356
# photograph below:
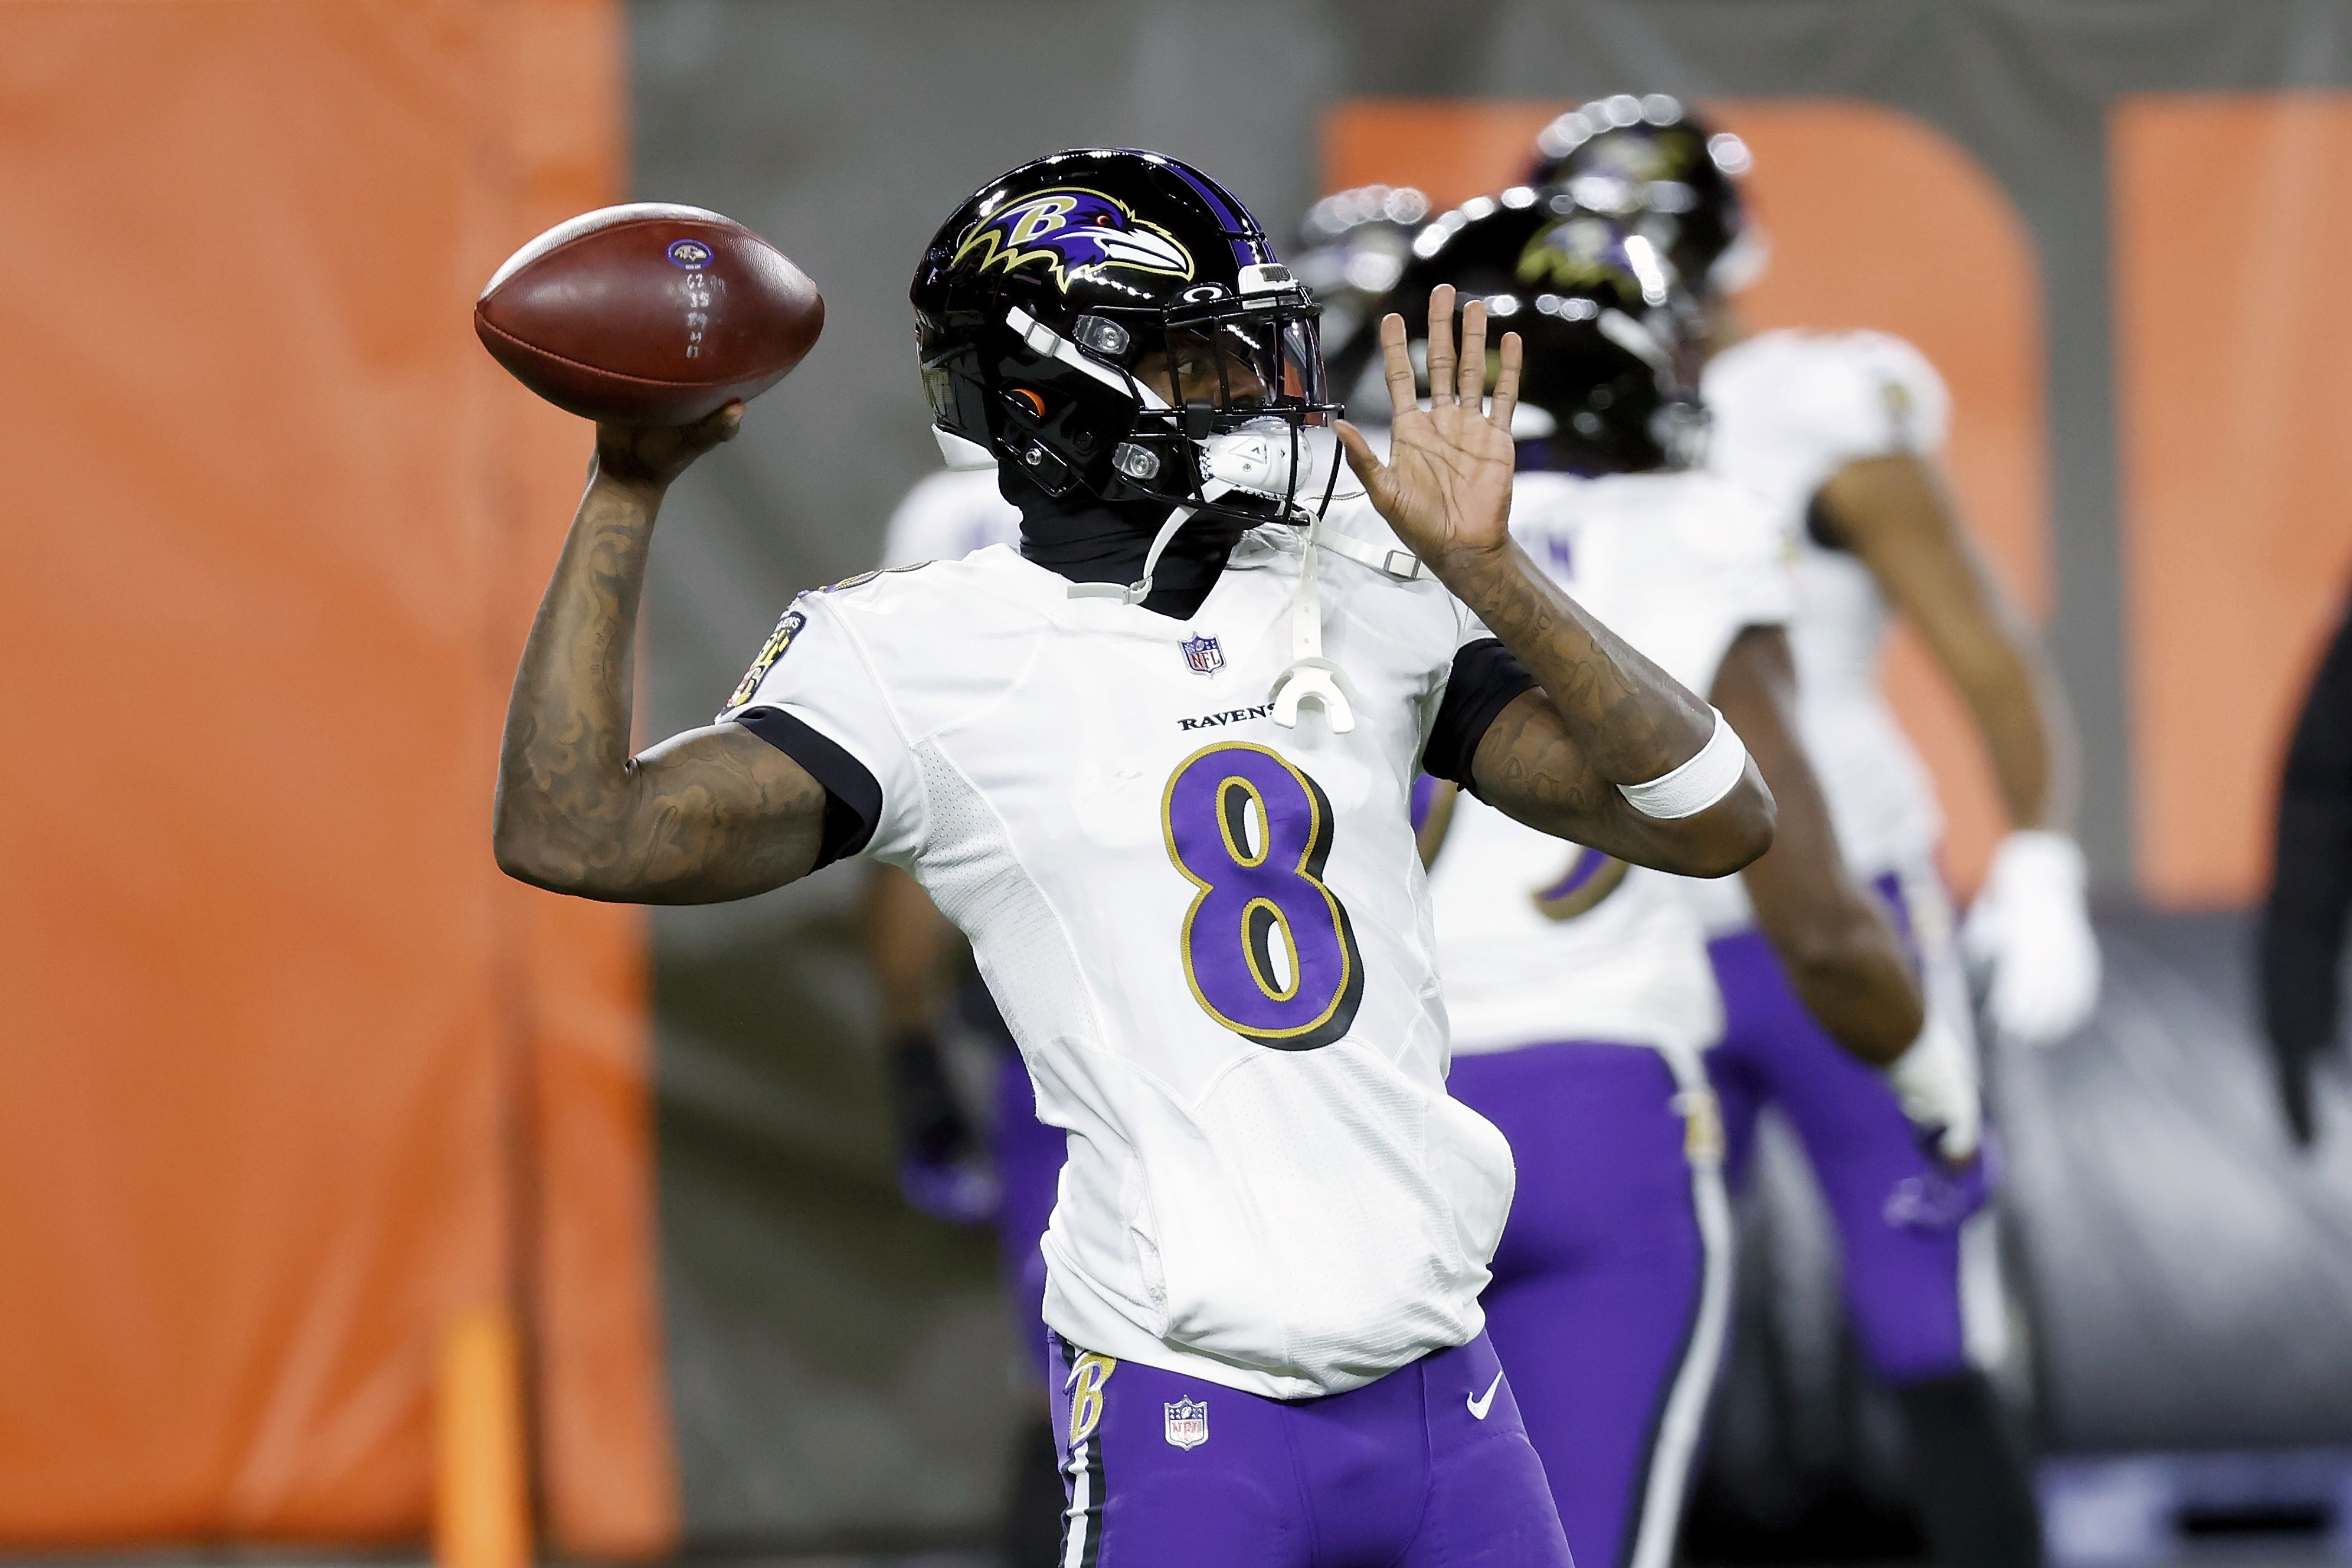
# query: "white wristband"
1697,783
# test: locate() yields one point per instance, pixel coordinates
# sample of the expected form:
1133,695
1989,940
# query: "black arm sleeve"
2302,936
853,800
1486,676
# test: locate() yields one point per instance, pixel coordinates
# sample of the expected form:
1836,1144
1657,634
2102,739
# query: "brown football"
648,314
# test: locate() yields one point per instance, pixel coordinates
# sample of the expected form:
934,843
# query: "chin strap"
1140,588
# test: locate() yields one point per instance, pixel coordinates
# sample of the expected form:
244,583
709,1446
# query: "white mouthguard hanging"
1311,677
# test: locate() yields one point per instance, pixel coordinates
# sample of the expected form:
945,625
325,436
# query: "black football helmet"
1353,247
1658,166
1050,296
1610,384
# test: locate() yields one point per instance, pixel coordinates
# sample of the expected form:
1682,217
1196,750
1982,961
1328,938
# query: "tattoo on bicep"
712,819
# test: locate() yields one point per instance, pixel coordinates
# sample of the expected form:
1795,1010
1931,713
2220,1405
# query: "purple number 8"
1268,948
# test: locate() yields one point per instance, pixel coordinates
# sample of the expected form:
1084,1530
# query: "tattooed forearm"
711,814
1604,715
1529,767
1628,719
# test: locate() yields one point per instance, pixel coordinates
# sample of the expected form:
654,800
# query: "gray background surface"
835,1359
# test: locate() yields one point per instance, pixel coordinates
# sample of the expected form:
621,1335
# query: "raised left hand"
1446,486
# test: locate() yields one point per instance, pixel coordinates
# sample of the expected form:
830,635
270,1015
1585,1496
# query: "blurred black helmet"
1352,247
1051,291
1672,177
1610,379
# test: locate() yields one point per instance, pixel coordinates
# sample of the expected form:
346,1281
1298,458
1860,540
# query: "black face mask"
1090,541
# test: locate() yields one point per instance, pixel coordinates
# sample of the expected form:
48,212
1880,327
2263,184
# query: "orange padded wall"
290,1076
2234,371
1944,262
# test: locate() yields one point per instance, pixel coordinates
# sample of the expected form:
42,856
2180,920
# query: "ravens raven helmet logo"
1078,234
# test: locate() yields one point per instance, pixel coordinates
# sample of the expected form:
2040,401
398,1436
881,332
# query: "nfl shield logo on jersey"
1206,659
1188,1423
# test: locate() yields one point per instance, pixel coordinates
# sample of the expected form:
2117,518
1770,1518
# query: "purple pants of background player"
1903,1281
1612,1283
1427,1468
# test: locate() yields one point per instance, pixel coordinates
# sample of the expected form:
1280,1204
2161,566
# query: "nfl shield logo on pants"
1203,656
1188,1423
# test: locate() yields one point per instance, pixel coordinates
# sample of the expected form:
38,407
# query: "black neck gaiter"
1090,541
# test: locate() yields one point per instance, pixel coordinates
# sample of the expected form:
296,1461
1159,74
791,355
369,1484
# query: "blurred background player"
2300,947
1353,247
1578,988
1837,433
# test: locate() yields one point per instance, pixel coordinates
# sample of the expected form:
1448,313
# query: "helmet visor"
1243,357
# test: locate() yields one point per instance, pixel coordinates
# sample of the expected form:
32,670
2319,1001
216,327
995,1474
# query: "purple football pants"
1612,1282
1427,1468
1902,1283
1028,1155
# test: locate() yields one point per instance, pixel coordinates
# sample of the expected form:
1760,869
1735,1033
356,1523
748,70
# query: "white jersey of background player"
1792,408
1787,410
1541,940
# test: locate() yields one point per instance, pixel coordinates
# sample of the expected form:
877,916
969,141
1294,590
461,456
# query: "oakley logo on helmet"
1077,232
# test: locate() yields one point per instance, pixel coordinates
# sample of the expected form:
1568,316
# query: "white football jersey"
948,515
1790,410
1542,941
1210,934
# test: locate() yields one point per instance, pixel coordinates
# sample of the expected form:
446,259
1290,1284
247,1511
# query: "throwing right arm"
712,814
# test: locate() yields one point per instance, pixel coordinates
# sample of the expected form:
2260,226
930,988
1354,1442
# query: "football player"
1578,986
1354,245
1154,765
1839,432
